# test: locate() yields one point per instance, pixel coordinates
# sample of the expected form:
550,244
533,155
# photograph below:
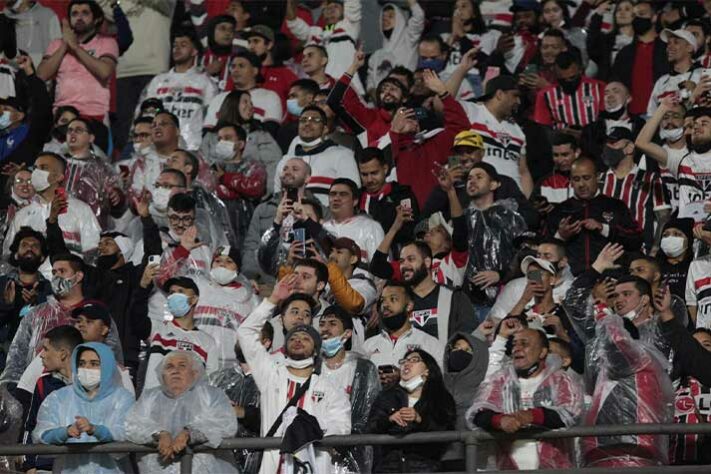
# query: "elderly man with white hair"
183,411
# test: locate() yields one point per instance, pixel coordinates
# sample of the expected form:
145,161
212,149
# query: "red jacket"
250,184
415,161
278,79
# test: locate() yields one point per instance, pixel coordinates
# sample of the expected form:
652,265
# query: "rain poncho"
221,232
491,235
204,410
557,391
106,411
628,379
27,342
10,424
91,180
242,391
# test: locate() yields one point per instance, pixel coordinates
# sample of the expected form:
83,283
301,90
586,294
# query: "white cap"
544,264
125,245
686,35
438,219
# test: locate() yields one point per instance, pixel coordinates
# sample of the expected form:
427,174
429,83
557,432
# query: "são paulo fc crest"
607,216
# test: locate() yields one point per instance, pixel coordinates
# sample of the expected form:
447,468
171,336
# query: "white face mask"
161,196
299,364
413,384
40,179
223,276
612,110
144,150
224,150
673,245
671,134
89,378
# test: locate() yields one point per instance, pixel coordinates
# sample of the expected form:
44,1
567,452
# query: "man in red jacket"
277,77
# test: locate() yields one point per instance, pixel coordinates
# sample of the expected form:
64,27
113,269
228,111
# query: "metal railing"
470,439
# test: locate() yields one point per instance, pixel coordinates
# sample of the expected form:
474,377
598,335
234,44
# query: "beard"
418,276
29,264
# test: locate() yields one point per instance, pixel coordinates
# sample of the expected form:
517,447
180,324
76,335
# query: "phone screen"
292,194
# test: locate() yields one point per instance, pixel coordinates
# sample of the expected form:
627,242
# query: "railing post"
471,446
186,462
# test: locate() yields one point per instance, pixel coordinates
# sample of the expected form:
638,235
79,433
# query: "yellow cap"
468,138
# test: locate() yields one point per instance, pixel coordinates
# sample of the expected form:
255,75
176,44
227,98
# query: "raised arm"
644,141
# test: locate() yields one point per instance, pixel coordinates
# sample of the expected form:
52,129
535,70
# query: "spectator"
183,410
35,41
275,75
602,45
296,310
543,395
681,49
556,187
216,60
572,87
18,194
185,90
82,62
419,403
301,93
294,382
642,62
582,220
397,335
400,36
515,48
540,72
348,370
92,409
676,254
647,201
648,269
490,118
314,61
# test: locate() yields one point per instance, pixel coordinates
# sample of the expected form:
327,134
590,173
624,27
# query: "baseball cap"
311,331
260,30
544,264
348,244
686,35
228,251
619,133
93,310
498,83
182,282
489,169
468,138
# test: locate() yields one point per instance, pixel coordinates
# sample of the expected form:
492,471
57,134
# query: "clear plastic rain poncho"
242,391
491,234
91,180
274,247
628,381
106,411
27,343
204,410
557,391
10,425
216,211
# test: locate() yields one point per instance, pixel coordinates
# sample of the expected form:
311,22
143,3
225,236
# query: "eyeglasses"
310,118
23,181
185,220
77,130
409,360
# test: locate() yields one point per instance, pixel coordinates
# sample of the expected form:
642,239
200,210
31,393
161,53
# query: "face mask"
641,25
292,105
614,114
178,305
161,196
106,262
224,150
145,150
671,134
61,286
222,276
459,360
5,121
60,133
412,384
612,110
89,378
29,264
630,315
569,86
330,347
299,364
526,373
612,157
673,246
40,179
436,64
394,322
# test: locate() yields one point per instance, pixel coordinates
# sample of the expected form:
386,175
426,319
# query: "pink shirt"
76,85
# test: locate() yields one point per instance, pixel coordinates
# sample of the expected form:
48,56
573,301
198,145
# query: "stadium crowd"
322,217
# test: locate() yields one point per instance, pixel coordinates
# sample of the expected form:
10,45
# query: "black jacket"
412,458
624,62
384,210
593,137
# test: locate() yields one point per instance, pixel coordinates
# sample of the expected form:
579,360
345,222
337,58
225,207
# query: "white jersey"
504,142
326,402
382,350
693,173
266,103
698,290
668,178
512,292
187,95
668,85
362,229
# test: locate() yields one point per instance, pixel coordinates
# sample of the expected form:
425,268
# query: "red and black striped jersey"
558,109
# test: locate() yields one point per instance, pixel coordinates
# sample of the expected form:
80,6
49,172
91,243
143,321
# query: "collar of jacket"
327,143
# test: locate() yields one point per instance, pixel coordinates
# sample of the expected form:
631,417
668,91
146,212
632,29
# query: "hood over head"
109,370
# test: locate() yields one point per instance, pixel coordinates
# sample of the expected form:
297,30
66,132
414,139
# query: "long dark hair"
436,403
229,110
477,21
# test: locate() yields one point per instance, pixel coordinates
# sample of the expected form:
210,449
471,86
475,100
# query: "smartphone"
292,194
154,259
535,276
420,113
531,69
63,193
453,161
300,236
406,203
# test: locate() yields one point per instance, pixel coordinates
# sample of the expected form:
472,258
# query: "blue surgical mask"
330,347
178,305
5,121
436,64
292,105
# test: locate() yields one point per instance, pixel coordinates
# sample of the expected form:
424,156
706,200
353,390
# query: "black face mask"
641,25
106,262
459,360
60,133
394,322
29,264
526,373
569,86
612,157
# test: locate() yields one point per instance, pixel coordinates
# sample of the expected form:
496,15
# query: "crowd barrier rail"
470,439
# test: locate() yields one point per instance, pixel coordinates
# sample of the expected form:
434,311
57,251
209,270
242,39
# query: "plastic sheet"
221,232
204,410
10,425
272,251
491,235
91,181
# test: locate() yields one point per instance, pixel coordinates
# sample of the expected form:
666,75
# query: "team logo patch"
504,138
608,216
588,100
317,396
184,346
422,316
